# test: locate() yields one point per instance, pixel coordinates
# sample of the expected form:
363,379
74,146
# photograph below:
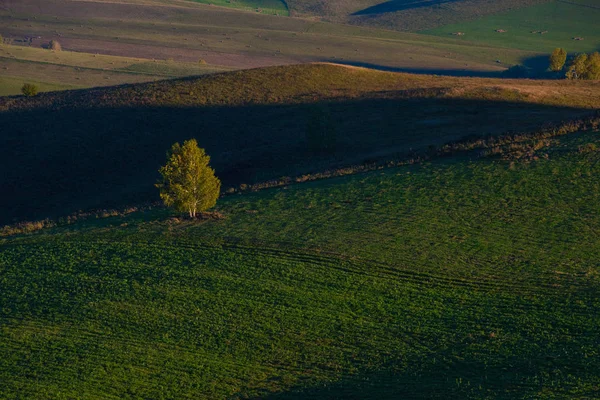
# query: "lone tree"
29,90
558,58
188,183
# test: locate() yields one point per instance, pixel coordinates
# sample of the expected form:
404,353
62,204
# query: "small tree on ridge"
558,58
188,183
29,90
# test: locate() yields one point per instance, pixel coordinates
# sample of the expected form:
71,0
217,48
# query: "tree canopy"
188,183
29,90
558,58
585,66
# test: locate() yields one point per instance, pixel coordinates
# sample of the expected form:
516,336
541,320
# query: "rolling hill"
186,32
462,278
539,28
405,15
443,245
96,148
52,71
114,42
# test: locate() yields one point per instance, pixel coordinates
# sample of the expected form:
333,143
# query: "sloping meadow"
450,279
101,148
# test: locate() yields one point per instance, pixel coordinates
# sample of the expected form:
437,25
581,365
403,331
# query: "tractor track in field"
550,285
125,341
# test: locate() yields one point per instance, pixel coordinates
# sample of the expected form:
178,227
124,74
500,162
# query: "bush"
54,45
588,148
29,90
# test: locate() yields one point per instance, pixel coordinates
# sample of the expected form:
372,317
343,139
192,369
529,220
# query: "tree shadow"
423,71
538,66
57,162
401,5
458,372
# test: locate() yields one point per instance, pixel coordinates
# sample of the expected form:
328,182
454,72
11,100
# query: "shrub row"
492,145
33,226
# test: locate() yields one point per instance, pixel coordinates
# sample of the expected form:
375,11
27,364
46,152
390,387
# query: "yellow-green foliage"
29,90
585,67
456,279
558,58
188,183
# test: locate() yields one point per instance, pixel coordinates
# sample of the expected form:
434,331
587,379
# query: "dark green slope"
102,147
449,280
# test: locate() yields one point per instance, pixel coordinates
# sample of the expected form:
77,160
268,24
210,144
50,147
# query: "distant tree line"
582,66
585,66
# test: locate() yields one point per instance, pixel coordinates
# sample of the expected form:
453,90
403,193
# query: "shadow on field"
401,5
423,71
456,372
56,162
537,67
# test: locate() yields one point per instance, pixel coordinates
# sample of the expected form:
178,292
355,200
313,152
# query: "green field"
274,7
453,279
12,85
402,15
563,21
72,70
445,246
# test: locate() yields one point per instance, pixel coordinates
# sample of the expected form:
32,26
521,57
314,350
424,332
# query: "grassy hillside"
69,70
187,32
453,279
405,15
562,21
12,85
274,7
102,147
